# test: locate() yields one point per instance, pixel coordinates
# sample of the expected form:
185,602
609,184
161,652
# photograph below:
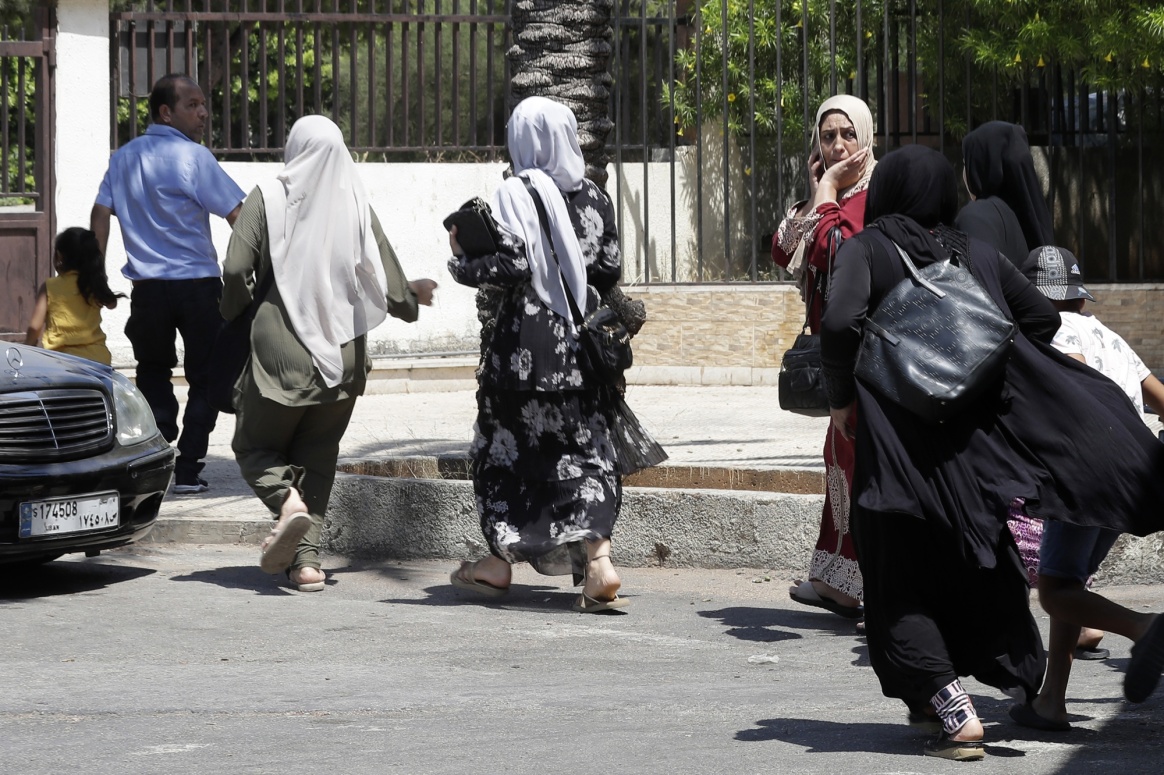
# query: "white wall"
410,199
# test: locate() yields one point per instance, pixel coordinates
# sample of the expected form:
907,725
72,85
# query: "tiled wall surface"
736,335
1135,312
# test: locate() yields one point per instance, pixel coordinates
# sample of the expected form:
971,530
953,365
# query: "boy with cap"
1070,554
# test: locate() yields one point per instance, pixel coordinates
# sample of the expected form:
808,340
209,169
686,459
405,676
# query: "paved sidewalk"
743,486
740,428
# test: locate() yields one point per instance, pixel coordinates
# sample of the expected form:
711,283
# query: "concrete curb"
435,518
389,518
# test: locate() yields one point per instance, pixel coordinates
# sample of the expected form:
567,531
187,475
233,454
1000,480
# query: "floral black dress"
545,471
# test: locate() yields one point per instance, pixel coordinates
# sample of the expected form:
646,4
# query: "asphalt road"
190,660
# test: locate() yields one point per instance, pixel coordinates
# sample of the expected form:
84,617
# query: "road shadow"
249,577
64,577
771,625
521,597
817,736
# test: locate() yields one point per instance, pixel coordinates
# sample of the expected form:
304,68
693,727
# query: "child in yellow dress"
68,308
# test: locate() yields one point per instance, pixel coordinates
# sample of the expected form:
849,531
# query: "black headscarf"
998,163
913,191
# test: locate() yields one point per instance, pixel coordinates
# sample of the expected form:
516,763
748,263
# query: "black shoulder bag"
605,351
936,341
232,350
800,384
476,230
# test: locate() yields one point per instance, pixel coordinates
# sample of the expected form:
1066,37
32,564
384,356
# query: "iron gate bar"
335,17
753,269
673,31
1046,102
727,224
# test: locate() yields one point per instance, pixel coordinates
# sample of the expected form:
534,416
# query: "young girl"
68,307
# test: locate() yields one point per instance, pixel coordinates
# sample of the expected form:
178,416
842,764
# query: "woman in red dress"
839,167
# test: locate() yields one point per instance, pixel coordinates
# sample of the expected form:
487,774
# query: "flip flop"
591,605
460,581
311,586
1026,716
1146,664
1091,652
806,595
279,552
955,750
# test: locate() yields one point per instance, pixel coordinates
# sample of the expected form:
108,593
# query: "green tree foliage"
1113,44
1109,44
772,35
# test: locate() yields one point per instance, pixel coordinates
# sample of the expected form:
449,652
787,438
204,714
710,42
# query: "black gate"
26,168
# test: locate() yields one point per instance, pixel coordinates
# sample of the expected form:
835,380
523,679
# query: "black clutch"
476,229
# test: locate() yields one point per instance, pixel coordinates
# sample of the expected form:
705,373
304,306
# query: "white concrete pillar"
82,107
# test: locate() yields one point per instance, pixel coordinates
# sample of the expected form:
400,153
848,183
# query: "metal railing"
21,57
710,137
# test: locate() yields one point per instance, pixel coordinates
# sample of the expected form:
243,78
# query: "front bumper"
140,474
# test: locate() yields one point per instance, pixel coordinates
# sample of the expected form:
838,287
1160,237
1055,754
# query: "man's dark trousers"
159,311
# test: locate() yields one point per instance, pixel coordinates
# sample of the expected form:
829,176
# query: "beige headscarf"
862,119
323,252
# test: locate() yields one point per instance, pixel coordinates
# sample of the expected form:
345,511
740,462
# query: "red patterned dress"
834,560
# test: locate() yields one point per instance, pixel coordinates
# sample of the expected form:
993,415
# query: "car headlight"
132,416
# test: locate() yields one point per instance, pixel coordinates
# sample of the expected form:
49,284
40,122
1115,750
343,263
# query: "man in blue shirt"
163,186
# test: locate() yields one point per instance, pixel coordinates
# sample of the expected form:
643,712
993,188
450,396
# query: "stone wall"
715,334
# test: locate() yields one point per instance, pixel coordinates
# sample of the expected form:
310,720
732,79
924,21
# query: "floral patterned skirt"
544,473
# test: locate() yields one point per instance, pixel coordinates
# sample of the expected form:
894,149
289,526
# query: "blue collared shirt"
163,186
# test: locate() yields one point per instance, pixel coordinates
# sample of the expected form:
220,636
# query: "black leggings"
931,617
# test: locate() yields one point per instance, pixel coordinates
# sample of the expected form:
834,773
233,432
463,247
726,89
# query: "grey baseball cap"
1057,274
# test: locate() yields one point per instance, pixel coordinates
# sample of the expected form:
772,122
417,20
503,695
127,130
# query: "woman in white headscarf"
335,277
545,469
839,167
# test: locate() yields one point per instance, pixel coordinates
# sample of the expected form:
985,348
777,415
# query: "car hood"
30,368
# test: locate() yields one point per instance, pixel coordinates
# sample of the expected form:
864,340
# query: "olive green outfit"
289,424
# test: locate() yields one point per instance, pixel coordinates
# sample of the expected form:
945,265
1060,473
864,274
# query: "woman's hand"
846,172
423,288
453,244
843,420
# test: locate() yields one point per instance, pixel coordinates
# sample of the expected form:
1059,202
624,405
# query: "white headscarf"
543,145
323,251
862,120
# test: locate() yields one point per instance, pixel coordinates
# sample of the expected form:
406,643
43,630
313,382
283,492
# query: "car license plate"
59,516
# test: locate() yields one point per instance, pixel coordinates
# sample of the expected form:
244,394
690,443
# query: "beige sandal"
277,552
310,586
585,604
463,578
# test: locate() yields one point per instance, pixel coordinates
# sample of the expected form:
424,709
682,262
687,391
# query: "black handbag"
800,385
232,351
936,341
476,230
605,351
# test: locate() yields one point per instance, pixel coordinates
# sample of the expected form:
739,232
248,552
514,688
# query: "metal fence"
22,55
712,103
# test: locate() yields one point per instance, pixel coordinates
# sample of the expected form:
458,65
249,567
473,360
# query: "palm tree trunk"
561,50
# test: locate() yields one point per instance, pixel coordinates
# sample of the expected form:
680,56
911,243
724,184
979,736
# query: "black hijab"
913,191
998,163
